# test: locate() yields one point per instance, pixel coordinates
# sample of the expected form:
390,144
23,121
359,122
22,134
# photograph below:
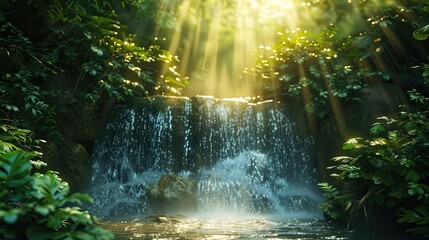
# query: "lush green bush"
317,66
349,49
36,205
21,98
81,46
391,169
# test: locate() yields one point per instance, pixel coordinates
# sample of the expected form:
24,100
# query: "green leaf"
353,143
81,197
53,222
415,189
15,165
344,159
378,142
10,216
309,107
418,215
411,128
422,33
397,192
412,176
42,210
377,180
377,128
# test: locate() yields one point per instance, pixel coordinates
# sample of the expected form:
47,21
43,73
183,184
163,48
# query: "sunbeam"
219,42
215,40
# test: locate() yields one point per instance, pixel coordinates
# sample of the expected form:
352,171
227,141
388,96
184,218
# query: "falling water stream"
255,176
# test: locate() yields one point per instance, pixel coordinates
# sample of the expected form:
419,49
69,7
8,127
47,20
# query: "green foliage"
157,14
122,65
15,139
35,205
317,67
350,48
418,216
422,34
21,99
79,44
391,169
25,103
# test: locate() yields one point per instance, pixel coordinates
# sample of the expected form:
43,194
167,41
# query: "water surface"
181,227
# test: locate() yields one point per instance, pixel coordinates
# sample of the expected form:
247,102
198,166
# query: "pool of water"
181,227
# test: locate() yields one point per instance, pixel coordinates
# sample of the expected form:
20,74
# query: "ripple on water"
180,227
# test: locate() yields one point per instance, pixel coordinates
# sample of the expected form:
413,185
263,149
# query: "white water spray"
246,159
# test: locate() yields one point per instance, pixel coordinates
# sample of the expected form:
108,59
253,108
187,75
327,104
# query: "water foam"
246,158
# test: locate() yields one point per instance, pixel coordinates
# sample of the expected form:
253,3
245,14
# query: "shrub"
36,205
390,168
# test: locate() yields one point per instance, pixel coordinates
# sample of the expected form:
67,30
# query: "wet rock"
161,219
75,165
166,219
50,155
174,194
71,161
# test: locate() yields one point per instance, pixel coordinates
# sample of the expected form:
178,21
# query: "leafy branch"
38,205
389,169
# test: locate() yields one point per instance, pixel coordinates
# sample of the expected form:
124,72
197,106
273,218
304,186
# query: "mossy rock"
174,194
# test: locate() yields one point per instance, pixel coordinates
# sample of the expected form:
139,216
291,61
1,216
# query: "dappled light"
218,39
214,119
218,44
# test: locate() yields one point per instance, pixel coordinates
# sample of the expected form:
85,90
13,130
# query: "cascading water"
245,158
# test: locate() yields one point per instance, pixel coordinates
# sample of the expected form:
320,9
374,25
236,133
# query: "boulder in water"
174,194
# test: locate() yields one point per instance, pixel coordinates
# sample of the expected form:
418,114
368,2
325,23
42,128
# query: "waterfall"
244,157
